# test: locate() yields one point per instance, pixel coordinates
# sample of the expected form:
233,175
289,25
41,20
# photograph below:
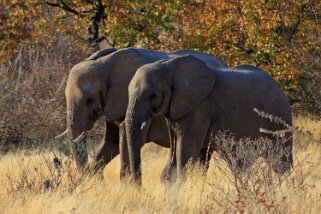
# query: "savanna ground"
32,182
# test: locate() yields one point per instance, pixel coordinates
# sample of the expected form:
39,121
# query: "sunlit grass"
298,192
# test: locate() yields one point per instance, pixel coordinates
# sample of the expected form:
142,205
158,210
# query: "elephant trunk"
134,121
132,135
79,149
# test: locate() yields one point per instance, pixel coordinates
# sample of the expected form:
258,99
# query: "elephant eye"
155,100
153,96
89,102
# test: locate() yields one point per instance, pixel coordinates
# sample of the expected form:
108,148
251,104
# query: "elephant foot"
166,178
168,174
124,173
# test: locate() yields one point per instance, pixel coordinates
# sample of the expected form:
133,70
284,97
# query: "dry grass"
305,124
33,183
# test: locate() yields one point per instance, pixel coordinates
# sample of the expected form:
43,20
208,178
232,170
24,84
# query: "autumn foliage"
41,39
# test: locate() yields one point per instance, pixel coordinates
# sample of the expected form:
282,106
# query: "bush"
32,101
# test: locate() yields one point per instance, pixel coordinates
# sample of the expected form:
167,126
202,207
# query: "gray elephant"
199,100
98,87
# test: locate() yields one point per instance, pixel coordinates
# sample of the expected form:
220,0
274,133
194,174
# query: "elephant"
199,100
97,87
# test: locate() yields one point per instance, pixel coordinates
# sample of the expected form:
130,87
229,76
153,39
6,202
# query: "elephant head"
86,100
168,87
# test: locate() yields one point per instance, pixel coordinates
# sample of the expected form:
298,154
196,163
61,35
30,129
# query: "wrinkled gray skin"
198,99
98,87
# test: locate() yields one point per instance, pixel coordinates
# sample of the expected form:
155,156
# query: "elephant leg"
188,148
169,173
123,148
190,139
109,148
207,150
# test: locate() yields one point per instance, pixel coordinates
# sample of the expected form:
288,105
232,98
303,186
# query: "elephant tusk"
143,125
61,135
80,137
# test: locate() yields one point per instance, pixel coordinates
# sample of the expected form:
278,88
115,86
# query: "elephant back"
101,53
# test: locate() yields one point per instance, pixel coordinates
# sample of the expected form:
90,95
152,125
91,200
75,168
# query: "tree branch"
64,6
301,17
97,15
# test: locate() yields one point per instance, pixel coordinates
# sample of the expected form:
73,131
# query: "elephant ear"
101,53
192,81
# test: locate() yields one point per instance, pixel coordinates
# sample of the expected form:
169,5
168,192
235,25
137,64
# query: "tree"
87,11
120,23
274,35
16,24
282,37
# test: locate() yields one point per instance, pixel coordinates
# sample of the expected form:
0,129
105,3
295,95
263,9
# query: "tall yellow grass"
23,176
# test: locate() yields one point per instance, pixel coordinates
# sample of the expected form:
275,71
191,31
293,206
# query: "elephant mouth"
97,114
